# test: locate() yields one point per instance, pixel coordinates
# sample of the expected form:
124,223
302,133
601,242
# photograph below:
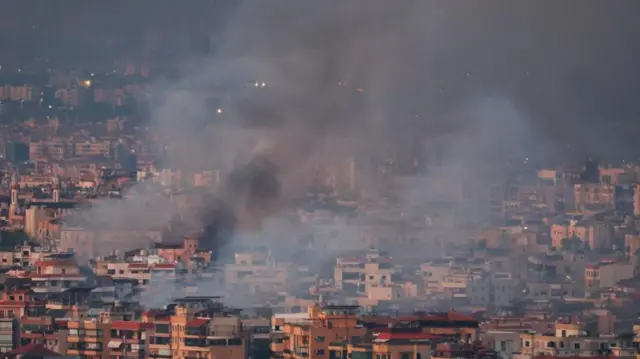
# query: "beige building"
207,333
594,195
311,338
88,243
257,272
567,340
606,274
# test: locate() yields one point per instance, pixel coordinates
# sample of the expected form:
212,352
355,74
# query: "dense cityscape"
227,188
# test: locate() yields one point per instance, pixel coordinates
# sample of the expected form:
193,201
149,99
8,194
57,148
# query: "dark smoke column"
250,193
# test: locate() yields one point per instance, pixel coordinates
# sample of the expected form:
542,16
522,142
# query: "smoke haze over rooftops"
353,78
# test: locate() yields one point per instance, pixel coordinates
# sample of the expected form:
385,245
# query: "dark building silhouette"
590,172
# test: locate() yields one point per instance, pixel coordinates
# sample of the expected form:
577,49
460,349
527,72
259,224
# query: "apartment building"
128,339
16,303
257,272
496,289
566,339
56,275
93,148
88,243
54,149
43,330
359,274
386,345
88,338
141,273
606,274
24,255
198,328
311,338
599,196
450,276
9,334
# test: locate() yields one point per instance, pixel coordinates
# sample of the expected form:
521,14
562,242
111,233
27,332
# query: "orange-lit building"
449,324
106,339
198,328
88,338
311,338
387,345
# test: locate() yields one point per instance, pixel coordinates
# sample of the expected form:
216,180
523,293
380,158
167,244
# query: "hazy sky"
572,64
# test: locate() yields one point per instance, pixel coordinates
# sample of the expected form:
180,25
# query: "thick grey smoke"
298,85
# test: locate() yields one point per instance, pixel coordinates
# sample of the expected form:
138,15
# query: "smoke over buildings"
302,85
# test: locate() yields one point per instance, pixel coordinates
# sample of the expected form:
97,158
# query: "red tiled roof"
164,266
129,325
55,263
33,349
12,303
444,317
37,335
406,336
198,322
459,317
138,265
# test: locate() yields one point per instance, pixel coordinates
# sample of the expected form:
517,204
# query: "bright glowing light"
219,110
263,84
86,83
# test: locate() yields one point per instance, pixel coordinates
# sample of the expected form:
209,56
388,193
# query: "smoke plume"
296,86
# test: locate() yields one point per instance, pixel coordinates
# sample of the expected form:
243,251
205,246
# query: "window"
527,343
320,339
405,355
576,346
320,352
162,328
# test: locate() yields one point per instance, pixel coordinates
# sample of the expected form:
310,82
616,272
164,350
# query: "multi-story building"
129,339
88,243
88,338
23,255
567,339
43,330
606,274
257,272
496,289
360,274
56,275
311,338
55,149
386,345
198,328
93,148
599,196
9,334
